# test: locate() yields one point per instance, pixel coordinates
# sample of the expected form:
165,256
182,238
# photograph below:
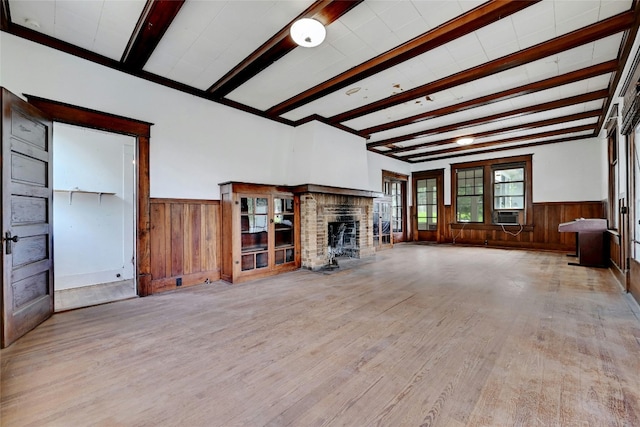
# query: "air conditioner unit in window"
506,217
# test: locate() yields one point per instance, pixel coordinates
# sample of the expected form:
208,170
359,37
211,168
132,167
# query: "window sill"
489,227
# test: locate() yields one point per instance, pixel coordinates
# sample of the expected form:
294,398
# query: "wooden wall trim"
634,280
185,242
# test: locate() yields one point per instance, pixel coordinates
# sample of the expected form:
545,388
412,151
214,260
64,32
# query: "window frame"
475,193
494,184
489,166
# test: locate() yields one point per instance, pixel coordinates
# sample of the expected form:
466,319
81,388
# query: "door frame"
438,174
84,117
387,176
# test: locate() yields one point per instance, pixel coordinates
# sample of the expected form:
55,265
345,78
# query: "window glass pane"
515,174
463,206
478,209
509,202
509,188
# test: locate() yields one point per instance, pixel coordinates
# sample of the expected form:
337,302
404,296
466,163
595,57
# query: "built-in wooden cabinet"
260,231
382,220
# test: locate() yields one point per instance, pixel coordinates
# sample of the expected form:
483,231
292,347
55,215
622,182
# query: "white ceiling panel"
98,25
212,45
539,19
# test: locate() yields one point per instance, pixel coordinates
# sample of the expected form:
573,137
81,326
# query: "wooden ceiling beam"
5,15
572,77
491,150
471,21
591,33
494,132
325,11
154,21
547,134
520,112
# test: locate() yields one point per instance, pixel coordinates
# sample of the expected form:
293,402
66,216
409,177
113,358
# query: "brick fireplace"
324,210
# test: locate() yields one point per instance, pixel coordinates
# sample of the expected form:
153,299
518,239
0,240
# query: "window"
508,188
492,192
470,195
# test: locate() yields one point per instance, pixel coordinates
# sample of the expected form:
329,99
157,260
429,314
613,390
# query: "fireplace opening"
343,239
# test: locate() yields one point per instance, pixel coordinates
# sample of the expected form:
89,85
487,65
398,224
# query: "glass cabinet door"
283,220
254,224
385,223
382,219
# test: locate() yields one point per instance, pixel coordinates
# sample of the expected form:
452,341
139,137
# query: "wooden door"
428,205
27,259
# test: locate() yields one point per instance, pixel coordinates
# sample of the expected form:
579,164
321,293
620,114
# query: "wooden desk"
591,245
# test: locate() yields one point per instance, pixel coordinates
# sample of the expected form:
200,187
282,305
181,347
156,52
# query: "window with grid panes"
508,188
470,195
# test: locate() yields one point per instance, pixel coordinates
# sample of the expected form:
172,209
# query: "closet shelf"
99,193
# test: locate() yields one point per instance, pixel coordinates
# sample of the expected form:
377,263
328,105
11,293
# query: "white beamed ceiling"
208,39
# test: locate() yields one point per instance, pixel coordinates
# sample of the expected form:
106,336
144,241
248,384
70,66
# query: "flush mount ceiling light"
307,32
464,141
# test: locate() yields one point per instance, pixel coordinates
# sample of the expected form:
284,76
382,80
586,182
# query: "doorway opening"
94,204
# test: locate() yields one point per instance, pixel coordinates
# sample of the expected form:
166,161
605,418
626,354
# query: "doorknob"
8,238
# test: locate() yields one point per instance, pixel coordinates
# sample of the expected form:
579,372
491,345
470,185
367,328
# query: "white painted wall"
378,163
195,143
93,235
567,171
339,158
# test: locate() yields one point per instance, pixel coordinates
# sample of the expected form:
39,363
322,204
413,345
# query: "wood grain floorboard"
425,336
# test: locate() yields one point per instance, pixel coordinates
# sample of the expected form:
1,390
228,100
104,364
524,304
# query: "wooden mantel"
316,188
325,189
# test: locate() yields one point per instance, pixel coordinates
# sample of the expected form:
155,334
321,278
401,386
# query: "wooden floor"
85,296
428,335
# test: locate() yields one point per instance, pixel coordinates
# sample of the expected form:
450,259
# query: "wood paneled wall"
185,242
542,234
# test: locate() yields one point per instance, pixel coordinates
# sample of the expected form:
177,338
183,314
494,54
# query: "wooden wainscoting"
616,256
541,234
185,242
634,279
